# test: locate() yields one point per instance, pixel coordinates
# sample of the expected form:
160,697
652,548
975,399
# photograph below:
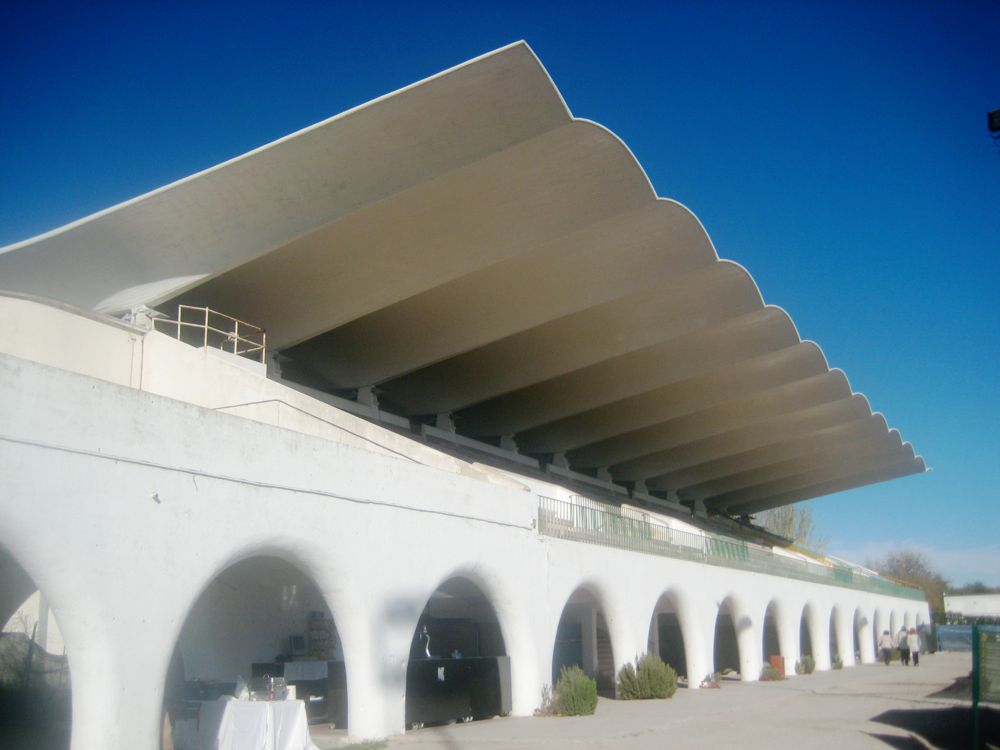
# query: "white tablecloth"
246,725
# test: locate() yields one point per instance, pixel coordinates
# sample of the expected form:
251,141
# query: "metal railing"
202,326
584,520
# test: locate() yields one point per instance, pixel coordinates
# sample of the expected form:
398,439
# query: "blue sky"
837,149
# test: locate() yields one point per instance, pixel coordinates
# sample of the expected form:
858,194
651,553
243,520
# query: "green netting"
594,522
989,663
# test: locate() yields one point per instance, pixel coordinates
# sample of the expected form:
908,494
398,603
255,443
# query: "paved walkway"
870,706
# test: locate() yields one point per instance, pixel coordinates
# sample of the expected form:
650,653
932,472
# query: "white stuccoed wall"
123,504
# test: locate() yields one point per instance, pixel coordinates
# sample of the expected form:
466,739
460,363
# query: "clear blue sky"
837,149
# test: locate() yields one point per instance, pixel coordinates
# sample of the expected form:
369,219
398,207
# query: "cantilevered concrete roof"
466,246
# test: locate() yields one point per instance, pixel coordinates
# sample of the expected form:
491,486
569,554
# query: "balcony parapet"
585,520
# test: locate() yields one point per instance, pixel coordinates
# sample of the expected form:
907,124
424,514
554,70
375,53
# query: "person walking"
885,644
904,648
913,643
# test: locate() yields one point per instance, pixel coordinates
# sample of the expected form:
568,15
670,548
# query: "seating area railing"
201,326
584,520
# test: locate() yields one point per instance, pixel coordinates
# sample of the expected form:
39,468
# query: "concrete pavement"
834,710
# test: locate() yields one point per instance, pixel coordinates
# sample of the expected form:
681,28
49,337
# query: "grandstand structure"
443,361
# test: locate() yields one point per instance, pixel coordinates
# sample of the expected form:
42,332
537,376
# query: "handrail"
584,520
231,334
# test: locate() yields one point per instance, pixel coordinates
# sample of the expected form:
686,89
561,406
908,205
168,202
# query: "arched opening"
458,668
583,639
726,652
834,642
260,629
666,637
859,632
771,645
880,626
35,686
805,638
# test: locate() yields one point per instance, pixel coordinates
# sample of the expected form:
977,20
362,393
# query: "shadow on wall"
945,728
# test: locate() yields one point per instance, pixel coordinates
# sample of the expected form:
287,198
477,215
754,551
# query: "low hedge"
650,678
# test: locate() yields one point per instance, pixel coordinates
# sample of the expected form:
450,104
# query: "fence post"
976,656
31,650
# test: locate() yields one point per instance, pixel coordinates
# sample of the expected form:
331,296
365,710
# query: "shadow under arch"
726,648
667,626
771,637
583,638
36,690
838,649
807,627
881,626
261,614
458,667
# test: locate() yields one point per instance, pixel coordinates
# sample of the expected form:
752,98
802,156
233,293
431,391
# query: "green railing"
584,520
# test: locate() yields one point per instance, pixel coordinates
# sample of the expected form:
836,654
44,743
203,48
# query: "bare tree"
793,522
913,567
976,587
22,622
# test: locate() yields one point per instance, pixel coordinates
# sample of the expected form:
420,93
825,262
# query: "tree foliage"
977,587
913,567
793,522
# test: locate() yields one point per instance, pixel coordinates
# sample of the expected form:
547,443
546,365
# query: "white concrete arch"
320,565
882,624
865,628
674,600
895,622
788,631
16,585
817,624
748,636
27,540
515,628
604,599
773,623
842,622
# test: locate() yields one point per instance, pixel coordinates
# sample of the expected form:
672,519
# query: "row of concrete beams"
467,247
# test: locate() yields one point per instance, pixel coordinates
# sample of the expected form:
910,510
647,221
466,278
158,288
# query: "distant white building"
507,394
973,605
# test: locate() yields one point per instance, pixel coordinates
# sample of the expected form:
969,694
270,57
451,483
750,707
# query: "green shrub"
575,694
771,673
838,663
652,678
806,666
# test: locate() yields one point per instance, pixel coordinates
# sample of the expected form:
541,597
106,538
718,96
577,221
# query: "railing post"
976,667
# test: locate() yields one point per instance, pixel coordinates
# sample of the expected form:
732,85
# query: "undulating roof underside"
466,246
